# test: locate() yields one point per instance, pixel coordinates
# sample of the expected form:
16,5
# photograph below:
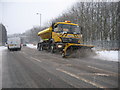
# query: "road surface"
30,68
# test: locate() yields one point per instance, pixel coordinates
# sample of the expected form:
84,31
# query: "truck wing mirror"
53,25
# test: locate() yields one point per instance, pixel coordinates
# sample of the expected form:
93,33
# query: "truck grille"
70,40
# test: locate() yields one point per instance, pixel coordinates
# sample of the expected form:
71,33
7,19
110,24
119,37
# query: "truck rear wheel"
41,48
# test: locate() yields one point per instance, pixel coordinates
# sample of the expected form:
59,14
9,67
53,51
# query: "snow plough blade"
78,50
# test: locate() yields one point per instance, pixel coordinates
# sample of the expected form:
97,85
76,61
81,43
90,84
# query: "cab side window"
56,28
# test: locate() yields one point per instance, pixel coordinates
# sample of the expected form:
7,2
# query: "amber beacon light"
68,21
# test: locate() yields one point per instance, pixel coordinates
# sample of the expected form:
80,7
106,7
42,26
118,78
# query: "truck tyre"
52,49
40,47
63,55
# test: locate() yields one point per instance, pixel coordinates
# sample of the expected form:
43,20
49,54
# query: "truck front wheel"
63,55
52,49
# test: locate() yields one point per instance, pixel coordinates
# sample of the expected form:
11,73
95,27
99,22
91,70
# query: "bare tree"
99,21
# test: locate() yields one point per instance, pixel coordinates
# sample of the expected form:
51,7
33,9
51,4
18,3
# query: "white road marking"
101,70
80,78
31,57
35,59
95,68
99,74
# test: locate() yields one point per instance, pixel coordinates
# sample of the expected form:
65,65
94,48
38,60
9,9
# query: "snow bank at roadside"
2,48
32,46
107,55
103,55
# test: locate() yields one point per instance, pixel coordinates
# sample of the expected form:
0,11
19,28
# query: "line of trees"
99,21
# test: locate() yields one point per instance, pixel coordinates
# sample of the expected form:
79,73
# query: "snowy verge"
2,48
32,46
107,55
103,55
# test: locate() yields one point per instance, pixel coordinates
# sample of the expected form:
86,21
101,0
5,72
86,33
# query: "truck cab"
67,32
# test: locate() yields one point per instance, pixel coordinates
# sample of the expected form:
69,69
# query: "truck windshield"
66,28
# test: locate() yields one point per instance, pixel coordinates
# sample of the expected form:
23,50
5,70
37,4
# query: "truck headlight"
59,46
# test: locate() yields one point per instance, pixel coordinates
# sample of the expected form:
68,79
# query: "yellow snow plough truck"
64,37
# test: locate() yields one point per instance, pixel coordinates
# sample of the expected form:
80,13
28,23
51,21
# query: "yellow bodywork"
48,33
73,44
57,36
45,34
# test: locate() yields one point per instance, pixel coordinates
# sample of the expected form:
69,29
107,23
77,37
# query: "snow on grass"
107,55
2,48
32,46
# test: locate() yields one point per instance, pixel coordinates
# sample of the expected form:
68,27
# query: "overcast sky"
20,15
